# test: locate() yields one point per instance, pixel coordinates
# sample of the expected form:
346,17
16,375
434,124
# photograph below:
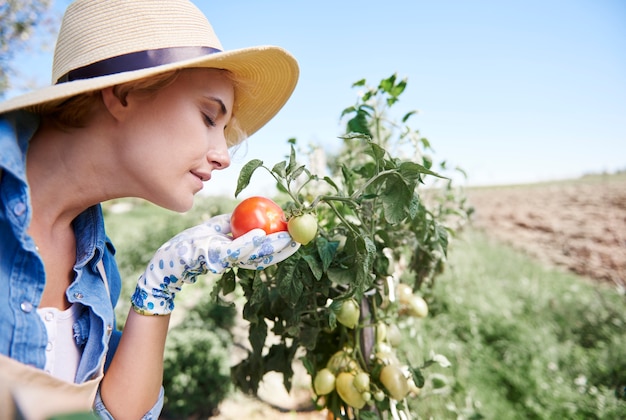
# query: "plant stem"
286,187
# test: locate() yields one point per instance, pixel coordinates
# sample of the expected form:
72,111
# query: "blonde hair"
75,112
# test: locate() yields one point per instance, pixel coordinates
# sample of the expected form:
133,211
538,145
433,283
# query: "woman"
144,104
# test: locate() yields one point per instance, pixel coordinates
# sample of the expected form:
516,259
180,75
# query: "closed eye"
208,120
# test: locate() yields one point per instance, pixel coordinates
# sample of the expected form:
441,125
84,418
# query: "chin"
178,205
183,207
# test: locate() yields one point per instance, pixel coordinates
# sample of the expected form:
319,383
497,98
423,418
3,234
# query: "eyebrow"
223,109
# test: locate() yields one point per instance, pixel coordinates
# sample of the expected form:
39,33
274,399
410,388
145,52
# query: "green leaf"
366,251
297,171
332,320
246,173
279,359
248,373
258,334
257,296
354,135
228,282
396,200
348,110
418,377
392,100
368,415
308,365
289,285
293,163
386,85
308,336
331,183
326,250
376,151
398,88
359,123
259,291
414,206
412,171
359,83
367,170
442,237
342,276
314,265
408,115
280,169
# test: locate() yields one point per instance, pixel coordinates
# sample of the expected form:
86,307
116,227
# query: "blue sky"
511,91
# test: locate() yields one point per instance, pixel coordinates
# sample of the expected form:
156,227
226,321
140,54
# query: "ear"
117,107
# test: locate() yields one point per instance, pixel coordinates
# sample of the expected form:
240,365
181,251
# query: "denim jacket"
22,276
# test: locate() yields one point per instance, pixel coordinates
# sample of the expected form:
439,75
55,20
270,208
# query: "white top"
62,353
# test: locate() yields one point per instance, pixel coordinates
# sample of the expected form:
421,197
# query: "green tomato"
303,228
324,382
341,361
381,332
346,390
417,307
367,396
348,313
404,293
379,395
395,382
362,382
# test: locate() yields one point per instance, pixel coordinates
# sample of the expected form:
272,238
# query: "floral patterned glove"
201,249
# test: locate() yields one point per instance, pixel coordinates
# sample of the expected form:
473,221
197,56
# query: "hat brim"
269,74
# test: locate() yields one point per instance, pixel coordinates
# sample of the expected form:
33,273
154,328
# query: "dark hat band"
136,61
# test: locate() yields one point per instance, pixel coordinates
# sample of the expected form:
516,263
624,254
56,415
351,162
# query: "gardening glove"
201,249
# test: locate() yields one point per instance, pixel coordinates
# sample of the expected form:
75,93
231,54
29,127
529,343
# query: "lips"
204,176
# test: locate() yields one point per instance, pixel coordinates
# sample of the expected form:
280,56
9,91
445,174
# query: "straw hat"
107,42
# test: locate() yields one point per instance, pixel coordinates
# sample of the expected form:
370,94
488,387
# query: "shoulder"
16,130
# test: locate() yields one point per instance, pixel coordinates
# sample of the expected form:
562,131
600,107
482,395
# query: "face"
172,141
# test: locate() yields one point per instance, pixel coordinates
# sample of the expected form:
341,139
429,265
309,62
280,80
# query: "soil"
579,225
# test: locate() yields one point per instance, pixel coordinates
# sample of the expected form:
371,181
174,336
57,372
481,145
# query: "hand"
201,249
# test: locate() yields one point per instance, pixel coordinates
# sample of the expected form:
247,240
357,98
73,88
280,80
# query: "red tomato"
257,212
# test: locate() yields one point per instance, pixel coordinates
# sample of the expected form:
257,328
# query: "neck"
63,175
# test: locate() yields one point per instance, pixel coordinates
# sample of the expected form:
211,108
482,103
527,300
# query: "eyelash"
208,120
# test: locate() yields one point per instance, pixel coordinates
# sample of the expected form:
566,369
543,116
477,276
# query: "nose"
218,156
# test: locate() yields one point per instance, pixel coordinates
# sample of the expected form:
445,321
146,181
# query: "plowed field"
579,225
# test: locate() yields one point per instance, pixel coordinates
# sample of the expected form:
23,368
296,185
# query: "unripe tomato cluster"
357,387
343,374
359,382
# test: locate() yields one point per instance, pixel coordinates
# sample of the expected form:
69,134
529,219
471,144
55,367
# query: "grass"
525,341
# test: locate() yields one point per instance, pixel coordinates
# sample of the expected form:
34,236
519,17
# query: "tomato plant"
257,213
335,301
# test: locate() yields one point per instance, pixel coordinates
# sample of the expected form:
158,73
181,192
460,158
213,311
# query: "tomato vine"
376,231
